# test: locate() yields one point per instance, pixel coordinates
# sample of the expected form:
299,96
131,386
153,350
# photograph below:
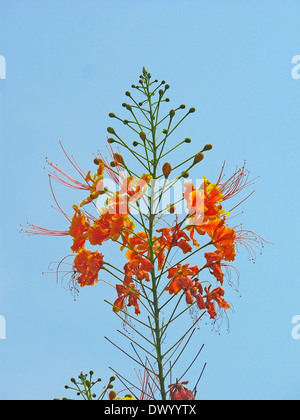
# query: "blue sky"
68,64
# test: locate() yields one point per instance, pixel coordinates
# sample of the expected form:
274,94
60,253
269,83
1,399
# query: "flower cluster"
131,218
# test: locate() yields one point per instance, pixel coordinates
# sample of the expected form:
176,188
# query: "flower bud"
111,115
199,156
111,140
185,174
172,209
135,143
187,140
97,161
172,113
119,158
112,378
128,107
143,135
192,110
207,147
182,106
166,169
127,93
110,130
112,395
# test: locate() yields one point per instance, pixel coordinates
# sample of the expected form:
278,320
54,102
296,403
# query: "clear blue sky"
68,65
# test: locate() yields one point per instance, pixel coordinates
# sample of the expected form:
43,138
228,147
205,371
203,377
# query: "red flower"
180,392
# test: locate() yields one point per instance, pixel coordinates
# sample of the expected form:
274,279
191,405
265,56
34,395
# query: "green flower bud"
110,130
143,135
185,174
111,115
127,93
111,140
135,143
182,106
172,113
207,147
192,110
187,140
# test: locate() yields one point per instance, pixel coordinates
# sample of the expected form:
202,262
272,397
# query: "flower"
127,291
181,280
138,244
135,187
222,237
139,267
108,226
214,295
174,236
78,229
214,264
180,392
88,264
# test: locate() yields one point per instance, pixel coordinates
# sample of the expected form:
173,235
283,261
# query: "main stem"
156,310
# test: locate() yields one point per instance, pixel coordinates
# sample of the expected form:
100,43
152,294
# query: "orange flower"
135,187
222,237
175,237
127,291
88,264
214,264
108,226
78,229
140,245
139,267
181,280
214,295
